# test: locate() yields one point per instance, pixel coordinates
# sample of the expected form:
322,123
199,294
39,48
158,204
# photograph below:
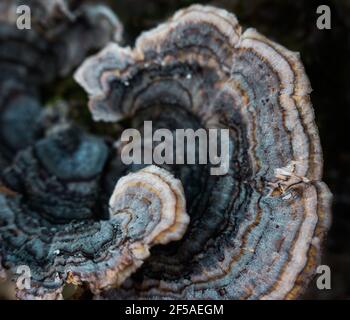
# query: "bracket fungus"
256,232
50,193
47,221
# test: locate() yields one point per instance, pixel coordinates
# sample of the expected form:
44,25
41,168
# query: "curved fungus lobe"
48,226
256,232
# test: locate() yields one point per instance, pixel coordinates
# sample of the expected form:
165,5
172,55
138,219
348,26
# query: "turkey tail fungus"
256,232
175,231
49,224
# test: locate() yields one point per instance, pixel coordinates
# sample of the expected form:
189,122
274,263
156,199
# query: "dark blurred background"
326,56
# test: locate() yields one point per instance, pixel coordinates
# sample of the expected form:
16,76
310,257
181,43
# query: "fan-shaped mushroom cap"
146,208
256,232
